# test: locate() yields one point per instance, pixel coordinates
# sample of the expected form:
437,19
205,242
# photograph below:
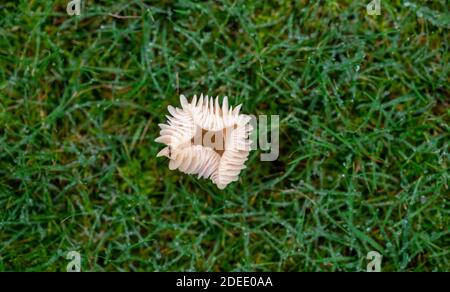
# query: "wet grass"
364,135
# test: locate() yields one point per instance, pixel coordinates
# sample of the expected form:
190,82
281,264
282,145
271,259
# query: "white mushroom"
206,139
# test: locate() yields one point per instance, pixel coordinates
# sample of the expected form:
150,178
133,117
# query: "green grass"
364,135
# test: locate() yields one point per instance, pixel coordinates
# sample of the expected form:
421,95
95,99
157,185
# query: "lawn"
364,132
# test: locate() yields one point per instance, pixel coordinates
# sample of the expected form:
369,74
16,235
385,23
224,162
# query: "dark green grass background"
364,135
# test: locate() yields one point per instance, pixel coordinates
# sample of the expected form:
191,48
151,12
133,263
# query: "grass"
364,135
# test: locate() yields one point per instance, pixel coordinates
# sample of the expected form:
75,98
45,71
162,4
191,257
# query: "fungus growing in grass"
206,139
